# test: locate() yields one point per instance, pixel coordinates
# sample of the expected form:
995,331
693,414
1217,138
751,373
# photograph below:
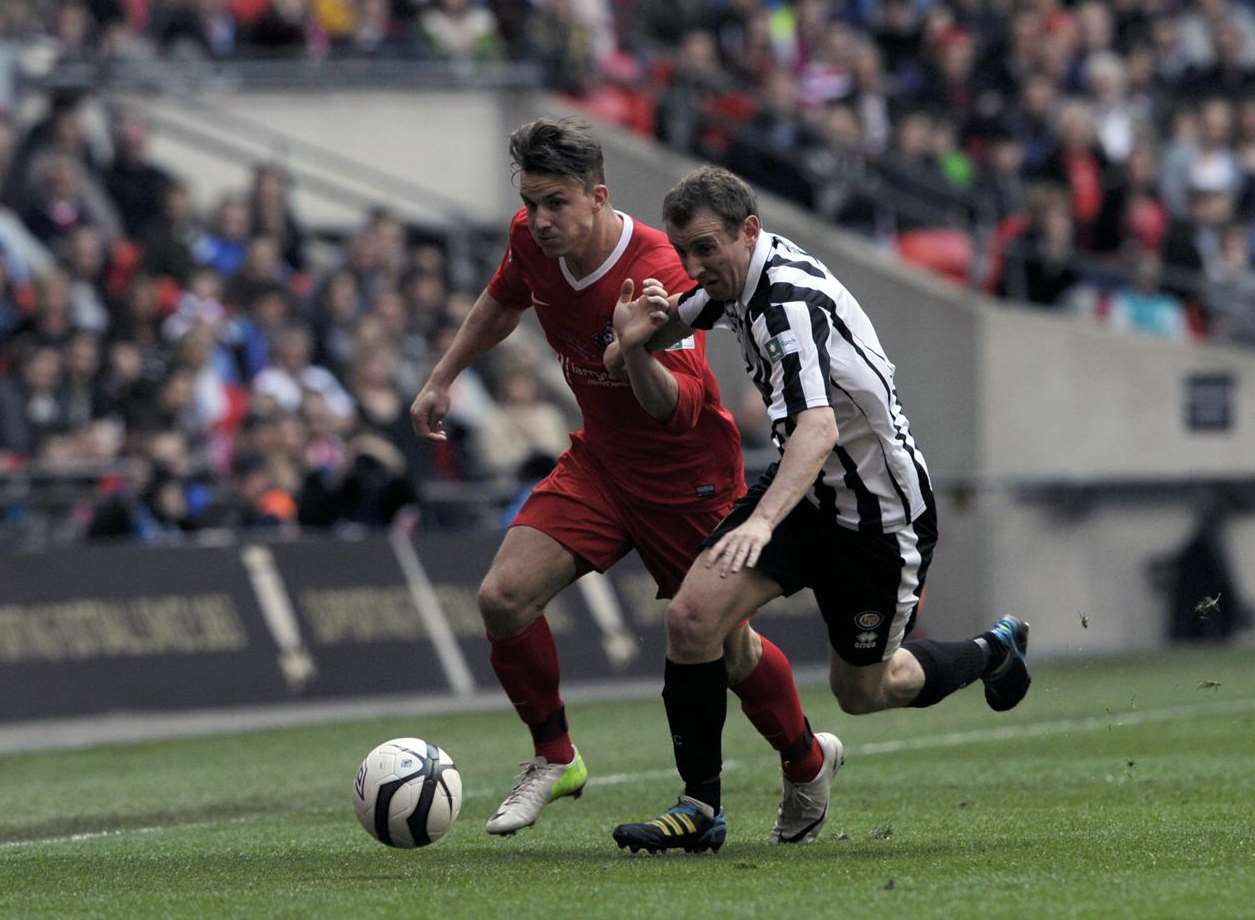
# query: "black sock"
948,666
696,697
995,653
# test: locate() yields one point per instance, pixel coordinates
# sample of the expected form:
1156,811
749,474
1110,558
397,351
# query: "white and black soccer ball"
407,793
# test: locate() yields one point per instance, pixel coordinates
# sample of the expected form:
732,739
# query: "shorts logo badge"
868,619
865,640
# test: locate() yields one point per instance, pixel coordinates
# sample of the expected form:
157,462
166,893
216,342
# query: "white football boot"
804,806
539,784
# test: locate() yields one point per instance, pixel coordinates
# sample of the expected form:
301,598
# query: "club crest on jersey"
783,344
865,640
868,619
603,339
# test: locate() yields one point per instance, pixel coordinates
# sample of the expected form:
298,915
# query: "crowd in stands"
1096,157
207,370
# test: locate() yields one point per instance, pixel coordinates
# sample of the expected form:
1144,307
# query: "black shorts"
867,584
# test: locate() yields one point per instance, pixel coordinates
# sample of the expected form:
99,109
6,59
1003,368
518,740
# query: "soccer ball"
407,793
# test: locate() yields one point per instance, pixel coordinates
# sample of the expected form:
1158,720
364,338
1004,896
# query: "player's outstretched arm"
808,447
636,320
486,325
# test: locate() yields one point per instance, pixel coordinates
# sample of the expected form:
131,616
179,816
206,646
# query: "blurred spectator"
1004,179
198,28
564,46
1200,22
31,406
1041,264
136,185
1231,288
1143,305
224,246
1191,246
1079,165
336,312
744,34
1132,209
764,151
291,378
171,243
1114,117
281,28
460,29
525,425
84,258
685,106
1231,70
62,200
272,214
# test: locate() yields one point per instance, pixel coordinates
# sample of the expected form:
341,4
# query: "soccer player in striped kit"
848,510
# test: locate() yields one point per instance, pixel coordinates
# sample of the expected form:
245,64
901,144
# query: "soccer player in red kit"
655,468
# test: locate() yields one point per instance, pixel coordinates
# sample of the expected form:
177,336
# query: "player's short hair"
713,187
564,147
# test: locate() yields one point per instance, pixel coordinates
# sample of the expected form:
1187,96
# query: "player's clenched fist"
427,412
636,319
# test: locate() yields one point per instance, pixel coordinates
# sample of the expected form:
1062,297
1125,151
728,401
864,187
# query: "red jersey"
692,459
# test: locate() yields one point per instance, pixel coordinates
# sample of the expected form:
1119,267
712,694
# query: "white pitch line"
1056,727
926,742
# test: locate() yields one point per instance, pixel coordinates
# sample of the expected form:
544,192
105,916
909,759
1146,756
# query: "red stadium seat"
946,252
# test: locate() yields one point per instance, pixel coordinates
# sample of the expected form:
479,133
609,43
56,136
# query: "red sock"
769,699
527,667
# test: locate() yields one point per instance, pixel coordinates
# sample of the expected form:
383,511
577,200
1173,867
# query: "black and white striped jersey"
807,343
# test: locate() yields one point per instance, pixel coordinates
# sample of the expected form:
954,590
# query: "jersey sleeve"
793,341
698,311
686,359
507,285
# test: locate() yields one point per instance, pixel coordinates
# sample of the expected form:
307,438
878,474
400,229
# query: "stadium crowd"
217,373
1093,156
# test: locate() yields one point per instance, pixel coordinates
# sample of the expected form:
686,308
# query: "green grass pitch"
1120,788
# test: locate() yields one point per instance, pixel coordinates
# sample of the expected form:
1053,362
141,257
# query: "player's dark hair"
714,187
565,147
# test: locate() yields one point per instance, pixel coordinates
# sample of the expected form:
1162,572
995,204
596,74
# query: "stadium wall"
131,628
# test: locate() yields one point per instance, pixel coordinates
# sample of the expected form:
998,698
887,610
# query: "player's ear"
751,227
601,195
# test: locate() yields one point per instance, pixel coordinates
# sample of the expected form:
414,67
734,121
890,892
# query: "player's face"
716,258
561,212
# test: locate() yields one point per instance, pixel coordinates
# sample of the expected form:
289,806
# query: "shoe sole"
653,850
510,833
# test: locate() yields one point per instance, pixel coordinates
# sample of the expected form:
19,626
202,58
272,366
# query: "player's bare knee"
504,610
689,631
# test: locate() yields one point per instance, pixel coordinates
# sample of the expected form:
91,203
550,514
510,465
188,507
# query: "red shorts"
574,506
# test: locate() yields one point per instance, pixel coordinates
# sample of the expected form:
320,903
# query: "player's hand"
428,410
613,359
739,548
636,319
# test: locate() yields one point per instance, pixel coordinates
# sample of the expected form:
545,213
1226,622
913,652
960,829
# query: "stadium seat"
945,252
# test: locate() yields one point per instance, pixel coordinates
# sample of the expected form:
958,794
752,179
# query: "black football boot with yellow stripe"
688,824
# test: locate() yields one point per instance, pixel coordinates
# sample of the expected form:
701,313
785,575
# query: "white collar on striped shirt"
758,260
